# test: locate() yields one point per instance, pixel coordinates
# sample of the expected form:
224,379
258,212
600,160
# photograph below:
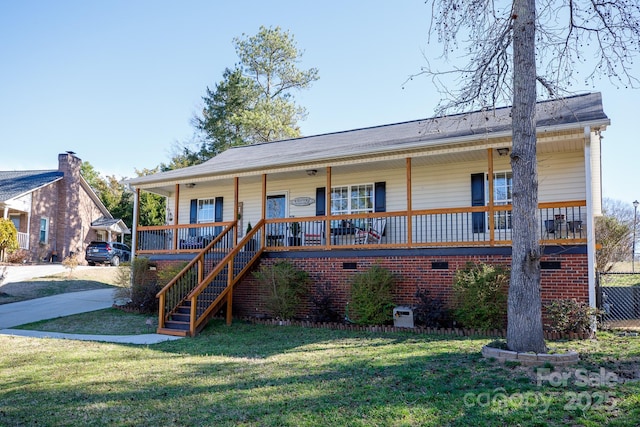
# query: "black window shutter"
321,202
477,199
193,212
218,209
193,216
380,197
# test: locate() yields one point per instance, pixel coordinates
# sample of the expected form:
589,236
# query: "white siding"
561,177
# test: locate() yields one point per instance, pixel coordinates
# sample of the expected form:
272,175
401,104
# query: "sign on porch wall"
303,201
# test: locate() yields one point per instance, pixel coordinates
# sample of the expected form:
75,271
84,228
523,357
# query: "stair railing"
248,250
177,290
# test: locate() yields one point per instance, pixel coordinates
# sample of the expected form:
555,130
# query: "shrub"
480,296
139,286
285,286
372,296
568,315
8,237
168,272
18,257
70,263
323,310
431,312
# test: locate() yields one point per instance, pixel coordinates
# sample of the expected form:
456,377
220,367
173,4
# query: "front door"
276,208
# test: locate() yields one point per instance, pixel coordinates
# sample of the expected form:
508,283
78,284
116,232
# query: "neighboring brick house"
56,212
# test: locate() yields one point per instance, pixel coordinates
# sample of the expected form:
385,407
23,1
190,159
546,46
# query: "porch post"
327,198
409,205
6,212
229,314
263,214
491,218
176,203
136,209
590,140
236,196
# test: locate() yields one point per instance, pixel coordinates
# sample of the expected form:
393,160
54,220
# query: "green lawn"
255,375
79,280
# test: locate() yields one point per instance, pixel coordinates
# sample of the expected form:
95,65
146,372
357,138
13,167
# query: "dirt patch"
109,275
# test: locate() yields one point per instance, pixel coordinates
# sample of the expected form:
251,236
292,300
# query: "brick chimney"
69,227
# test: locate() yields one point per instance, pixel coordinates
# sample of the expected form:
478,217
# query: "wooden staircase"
205,285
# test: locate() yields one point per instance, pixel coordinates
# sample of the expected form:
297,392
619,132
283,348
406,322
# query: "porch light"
312,172
190,185
503,151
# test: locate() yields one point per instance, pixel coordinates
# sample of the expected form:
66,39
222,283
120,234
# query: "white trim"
349,187
591,240
213,207
46,230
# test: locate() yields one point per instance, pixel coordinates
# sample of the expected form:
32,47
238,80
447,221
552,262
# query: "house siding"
44,204
561,177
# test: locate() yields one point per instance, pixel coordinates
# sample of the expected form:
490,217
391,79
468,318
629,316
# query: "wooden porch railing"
559,223
177,238
200,283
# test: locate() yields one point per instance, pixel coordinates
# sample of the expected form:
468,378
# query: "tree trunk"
524,313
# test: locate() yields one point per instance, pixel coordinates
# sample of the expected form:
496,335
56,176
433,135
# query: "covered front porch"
440,187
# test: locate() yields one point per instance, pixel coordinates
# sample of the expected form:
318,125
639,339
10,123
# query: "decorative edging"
530,359
460,332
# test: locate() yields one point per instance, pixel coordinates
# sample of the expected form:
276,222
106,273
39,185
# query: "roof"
14,184
572,112
113,224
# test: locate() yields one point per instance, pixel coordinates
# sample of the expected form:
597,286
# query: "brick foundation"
413,270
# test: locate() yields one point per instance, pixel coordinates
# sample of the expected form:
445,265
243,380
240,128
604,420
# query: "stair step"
183,309
174,332
181,317
176,325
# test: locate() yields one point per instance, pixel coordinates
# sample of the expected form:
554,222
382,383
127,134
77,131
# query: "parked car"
107,252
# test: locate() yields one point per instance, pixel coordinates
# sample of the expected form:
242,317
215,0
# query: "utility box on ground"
403,317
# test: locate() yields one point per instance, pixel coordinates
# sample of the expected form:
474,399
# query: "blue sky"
119,81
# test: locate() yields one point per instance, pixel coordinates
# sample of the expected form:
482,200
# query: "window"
16,221
44,230
352,199
206,210
502,195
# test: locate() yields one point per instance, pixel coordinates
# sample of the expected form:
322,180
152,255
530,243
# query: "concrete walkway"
19,313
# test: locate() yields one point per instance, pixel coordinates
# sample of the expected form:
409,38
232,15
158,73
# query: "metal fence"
618,296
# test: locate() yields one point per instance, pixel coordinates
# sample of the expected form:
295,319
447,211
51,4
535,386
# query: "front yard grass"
110,321
258,375
79,280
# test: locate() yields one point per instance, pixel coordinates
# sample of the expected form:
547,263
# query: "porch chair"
313,234
373,234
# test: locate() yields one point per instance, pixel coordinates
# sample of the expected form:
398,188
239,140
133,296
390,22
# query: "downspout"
591,241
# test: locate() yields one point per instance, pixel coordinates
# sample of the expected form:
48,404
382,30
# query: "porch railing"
177,238
23,240
558,222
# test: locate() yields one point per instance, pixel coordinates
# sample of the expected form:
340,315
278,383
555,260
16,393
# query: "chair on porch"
373,234
313,234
